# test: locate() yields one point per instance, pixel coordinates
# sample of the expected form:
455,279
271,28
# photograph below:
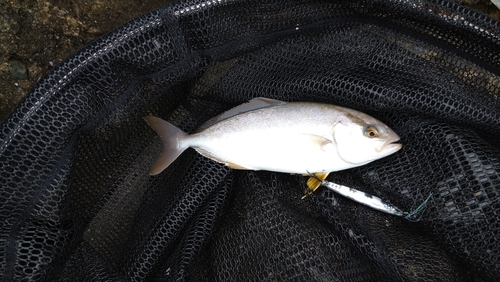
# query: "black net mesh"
79,205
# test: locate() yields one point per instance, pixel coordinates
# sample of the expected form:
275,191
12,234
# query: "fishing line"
412,214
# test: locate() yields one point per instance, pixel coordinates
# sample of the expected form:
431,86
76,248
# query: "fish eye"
371,132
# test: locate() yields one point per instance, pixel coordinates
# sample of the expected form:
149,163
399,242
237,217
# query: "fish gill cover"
78,203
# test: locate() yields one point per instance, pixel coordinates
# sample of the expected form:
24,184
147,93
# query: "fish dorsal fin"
252,105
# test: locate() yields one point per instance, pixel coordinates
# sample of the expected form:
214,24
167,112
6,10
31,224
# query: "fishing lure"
371,201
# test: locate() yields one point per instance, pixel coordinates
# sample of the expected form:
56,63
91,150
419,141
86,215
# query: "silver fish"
290,137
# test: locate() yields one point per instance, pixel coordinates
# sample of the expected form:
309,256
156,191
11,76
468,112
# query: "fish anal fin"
220,160
254,104
313,183
237,166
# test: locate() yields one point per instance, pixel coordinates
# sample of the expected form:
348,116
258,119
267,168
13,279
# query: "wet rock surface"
18,69
37,35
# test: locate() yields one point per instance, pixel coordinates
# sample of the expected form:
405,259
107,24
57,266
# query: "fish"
287,137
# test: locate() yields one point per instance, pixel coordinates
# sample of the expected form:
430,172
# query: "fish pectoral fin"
328,146
313,183
324,143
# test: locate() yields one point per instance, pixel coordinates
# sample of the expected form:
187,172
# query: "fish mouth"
390,146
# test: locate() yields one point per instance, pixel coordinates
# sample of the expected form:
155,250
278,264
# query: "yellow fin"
313,183
237,166
217,159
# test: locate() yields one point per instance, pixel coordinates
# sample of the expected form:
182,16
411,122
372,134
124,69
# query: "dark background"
36,35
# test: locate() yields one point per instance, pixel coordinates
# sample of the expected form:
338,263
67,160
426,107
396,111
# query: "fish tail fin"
172,141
